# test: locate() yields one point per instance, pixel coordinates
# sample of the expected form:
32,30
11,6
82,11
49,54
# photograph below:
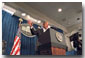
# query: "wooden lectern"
49,44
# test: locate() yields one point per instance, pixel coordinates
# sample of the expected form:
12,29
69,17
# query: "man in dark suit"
39,31
43,42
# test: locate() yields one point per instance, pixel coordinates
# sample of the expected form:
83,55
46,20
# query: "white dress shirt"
44,30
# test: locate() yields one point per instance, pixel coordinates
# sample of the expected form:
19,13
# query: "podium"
48,43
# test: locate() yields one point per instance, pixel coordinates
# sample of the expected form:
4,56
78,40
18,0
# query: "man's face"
45,25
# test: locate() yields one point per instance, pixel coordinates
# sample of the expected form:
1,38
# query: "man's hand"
30,23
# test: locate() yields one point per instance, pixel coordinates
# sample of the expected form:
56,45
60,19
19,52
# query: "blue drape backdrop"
9,30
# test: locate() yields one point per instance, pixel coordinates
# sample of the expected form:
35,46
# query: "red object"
58,51
16,46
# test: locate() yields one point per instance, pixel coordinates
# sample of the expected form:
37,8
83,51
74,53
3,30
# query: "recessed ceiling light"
28,16
38,21
35,20
60,10
23,14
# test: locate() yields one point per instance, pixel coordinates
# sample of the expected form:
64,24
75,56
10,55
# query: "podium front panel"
54,39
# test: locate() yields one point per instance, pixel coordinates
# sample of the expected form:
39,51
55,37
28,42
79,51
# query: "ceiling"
70,16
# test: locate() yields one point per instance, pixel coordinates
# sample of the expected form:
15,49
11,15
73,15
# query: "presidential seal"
59,36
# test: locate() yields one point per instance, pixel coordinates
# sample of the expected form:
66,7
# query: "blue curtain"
9,30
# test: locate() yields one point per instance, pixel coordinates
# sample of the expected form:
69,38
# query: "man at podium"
39,31
47,43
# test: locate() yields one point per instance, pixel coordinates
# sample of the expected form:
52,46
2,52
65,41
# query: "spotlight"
38,21
28,16
60,10
23,14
